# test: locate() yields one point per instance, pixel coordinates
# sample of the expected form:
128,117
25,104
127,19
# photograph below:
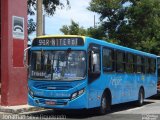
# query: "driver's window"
94,58
95,62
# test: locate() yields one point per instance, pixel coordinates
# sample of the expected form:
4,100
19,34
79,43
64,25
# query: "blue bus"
78,72
158,83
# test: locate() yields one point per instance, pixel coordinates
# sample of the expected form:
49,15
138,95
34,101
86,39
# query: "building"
13,37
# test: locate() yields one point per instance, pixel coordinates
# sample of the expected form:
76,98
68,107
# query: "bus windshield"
58,65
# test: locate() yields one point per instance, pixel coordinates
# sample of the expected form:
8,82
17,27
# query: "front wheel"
105,104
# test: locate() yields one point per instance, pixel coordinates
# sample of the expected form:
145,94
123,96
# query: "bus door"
94,73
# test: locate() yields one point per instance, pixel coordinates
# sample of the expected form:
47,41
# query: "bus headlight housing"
77,93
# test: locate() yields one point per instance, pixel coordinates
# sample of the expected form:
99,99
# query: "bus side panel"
123,87
150,85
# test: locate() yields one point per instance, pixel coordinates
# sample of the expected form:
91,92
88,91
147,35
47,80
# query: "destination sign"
58,42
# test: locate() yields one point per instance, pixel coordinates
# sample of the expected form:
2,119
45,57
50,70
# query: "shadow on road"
155,97
82,114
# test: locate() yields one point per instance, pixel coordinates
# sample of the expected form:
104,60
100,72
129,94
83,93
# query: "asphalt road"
128,111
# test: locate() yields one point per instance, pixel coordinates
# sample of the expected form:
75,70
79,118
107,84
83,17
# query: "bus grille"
52,87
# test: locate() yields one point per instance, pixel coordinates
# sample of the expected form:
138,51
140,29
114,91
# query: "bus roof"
50,36
118,47
102,42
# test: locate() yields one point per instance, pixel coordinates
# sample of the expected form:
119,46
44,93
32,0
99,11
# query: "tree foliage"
49,6
32,26
49,9
132,23
74,29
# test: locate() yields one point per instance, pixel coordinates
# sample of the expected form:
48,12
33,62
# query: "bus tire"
105,104
140,97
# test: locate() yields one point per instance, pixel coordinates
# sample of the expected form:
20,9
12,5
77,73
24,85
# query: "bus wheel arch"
106,101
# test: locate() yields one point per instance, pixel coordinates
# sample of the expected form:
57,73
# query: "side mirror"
25,60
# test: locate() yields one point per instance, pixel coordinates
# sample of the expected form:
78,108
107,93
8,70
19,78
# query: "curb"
19,109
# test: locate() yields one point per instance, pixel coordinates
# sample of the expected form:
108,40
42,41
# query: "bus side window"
146,65
108,60
143,65
135,63
139,62
94,66
152,66
120,61
95,60
129,64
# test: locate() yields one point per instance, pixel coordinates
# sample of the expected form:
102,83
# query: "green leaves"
74,29
31,26
49,9
49,6
131,23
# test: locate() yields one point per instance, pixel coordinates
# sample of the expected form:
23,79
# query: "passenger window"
94,59
147,62
95,62
152,66
108,60
120,61
129,64
143,65
139,63
134,63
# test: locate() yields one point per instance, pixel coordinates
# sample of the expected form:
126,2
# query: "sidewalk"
19,109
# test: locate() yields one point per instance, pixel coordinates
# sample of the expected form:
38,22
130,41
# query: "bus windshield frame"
58,65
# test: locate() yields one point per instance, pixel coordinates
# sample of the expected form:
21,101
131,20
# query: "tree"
75,29
49,6
98,32
132,23
49,9
145,16
31,27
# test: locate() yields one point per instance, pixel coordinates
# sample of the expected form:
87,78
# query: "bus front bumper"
78,103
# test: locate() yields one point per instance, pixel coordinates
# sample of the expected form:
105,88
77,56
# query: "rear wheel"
140,97
105,104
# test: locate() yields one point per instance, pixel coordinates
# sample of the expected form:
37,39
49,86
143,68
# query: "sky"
78,13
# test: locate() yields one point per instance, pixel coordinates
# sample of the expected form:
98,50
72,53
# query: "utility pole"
39,18
44,32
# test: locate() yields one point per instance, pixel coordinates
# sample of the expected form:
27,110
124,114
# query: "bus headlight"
74,95
77,93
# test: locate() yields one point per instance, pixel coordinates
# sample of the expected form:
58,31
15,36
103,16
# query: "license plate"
50,102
